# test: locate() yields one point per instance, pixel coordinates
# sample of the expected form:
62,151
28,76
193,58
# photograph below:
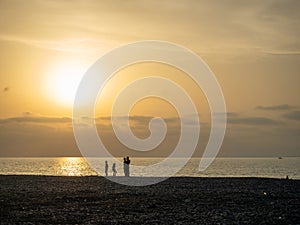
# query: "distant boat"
279,157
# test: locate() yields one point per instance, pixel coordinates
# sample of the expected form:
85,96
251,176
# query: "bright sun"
63,81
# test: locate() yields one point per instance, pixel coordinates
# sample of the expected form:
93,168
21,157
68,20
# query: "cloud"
142,121
36,137
31,119
136,118
282,53
236,118
232,114
228,114
276,107
294,115
242,25
232,118
254,121
86,45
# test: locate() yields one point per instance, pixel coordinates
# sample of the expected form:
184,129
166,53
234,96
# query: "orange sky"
252,47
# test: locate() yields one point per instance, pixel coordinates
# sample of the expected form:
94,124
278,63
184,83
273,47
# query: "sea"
220,167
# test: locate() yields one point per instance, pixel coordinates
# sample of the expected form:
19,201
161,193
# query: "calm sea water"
221,167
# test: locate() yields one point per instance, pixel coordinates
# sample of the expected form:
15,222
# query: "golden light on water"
72,166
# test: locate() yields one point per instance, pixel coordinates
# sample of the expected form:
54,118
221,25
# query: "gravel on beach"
177,200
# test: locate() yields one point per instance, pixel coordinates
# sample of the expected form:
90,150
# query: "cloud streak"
85,45
91,21
281,107
253,121
233,118
30,135
294,115
30,119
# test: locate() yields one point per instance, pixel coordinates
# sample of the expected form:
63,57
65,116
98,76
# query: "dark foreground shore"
180,200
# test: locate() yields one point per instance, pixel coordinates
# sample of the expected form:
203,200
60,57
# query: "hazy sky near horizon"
253,48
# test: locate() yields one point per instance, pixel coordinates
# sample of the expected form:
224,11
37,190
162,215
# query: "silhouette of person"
114,170
125,166
127,163
106,168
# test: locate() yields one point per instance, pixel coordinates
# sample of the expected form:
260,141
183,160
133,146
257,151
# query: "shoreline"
111,178
40,199
150,177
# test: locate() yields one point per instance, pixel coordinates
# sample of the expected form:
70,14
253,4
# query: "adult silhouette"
126,166
106,168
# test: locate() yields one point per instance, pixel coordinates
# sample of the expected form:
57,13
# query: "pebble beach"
177,200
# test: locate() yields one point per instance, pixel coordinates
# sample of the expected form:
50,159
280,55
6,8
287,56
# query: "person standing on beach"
125,166
114,170
106,168
127,162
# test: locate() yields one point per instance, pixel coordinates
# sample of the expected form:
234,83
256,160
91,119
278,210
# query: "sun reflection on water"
72,166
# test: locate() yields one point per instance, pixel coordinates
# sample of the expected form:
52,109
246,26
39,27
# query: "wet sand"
178,200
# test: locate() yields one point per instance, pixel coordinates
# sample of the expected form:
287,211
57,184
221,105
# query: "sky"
252,47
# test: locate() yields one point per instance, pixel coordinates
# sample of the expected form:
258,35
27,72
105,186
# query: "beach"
177,200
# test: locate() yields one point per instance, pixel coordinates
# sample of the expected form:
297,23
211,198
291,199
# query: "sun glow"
63,81
71,166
